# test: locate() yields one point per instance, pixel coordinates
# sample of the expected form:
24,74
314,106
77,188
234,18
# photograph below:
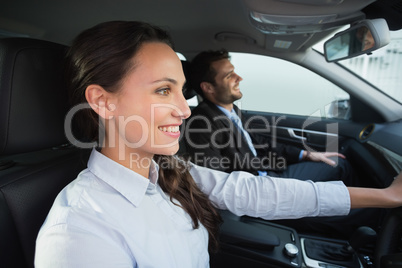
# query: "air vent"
366,131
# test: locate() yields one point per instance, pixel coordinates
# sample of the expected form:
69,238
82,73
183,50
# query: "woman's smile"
170,130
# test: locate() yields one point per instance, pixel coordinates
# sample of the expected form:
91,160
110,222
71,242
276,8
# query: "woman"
128,210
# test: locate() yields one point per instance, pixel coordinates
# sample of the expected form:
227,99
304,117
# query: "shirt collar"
232,114
127,182
225,111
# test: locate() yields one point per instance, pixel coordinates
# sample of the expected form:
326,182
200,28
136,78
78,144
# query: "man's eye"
164,91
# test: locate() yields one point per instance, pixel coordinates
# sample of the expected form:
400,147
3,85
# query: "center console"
325,253
252,242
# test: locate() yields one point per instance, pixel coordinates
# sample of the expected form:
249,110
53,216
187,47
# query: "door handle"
293,135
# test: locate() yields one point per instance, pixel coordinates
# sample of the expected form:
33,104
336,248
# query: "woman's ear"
99,100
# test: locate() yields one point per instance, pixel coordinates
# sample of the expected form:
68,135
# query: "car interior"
37,163
37,160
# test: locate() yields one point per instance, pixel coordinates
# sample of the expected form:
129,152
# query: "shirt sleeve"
66,246
301,155
271,198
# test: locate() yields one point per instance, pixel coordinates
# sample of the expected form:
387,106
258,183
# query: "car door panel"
316,133
347,137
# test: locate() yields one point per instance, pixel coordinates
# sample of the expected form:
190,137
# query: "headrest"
190,92
33,98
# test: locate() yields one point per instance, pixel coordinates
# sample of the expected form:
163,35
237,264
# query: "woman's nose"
183,110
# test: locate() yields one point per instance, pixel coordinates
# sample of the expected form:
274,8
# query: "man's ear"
207,88
100,101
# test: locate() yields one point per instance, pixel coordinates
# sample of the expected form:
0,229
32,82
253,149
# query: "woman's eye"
164,91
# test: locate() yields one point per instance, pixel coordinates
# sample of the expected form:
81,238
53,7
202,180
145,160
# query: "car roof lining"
195,30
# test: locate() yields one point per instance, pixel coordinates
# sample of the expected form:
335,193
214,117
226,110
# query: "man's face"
226,88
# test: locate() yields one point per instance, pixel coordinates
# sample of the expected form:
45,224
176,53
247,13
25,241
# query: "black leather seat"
189,92
36,160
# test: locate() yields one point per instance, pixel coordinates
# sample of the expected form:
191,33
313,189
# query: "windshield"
382,68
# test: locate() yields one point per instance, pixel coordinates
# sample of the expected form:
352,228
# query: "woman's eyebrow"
166,79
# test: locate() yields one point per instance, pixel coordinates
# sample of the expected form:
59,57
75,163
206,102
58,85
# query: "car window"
382,68
278,86
181,56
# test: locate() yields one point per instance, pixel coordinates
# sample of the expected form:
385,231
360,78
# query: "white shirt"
111,216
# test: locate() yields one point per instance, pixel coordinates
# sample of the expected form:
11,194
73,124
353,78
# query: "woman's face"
150,106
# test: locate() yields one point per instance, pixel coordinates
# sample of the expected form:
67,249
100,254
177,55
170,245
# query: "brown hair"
201,70
102,55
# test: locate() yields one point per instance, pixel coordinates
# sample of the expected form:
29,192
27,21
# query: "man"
214,140
216,137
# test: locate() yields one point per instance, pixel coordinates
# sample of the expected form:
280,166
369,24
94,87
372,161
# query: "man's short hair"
201,70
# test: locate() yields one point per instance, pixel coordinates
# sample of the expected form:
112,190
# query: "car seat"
188,93
36,160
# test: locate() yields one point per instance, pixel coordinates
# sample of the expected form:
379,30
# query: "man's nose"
238,78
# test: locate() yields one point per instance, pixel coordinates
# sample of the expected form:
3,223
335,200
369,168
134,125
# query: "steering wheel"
386,254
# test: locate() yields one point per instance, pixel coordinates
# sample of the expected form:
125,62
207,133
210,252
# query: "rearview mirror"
362,38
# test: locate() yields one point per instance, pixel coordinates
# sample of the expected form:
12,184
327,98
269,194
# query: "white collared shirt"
111,216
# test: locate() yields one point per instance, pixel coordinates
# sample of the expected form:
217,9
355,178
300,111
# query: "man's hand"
323,157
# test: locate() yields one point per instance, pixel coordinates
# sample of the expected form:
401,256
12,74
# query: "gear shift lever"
361,237
342,254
